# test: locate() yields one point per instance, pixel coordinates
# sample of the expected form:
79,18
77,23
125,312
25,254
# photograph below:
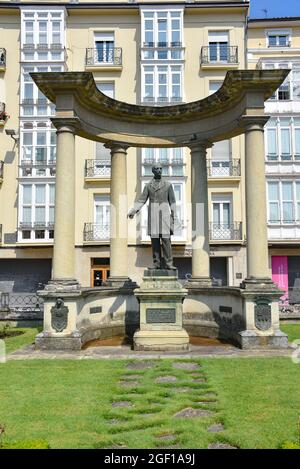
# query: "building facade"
154,53
275,44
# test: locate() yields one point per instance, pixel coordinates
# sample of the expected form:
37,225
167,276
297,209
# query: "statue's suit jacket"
162,207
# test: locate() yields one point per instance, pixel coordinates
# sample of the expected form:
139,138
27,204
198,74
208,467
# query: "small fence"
22,303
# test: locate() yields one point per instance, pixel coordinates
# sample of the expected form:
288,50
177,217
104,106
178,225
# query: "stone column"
256,211
118,216
200,224
64,236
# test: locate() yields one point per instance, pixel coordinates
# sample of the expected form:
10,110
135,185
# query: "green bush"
290,445
25,444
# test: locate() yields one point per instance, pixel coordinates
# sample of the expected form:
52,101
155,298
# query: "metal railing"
104,57
225,231
22,303
219,54
96,232
97,168
2,57
1,168
225,168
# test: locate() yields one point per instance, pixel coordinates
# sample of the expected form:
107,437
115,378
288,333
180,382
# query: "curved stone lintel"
213,118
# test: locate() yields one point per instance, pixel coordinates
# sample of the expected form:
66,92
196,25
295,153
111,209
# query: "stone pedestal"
61,300
160,297
261,313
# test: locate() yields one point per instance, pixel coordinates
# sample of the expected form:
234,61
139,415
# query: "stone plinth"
160,296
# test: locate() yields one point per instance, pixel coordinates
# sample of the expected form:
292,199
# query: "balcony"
97,169
225,231
221,57
38,168
106,60
1,170
162,51
221,169
161,100
96,232
2,59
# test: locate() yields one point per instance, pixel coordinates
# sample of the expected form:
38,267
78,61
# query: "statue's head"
157,171
59,302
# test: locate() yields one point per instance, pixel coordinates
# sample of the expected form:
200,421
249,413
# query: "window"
36,211
37,148
171,160
220,158
42,35
107,88
162,84
290,88
33,102
105,47
283,202
162,28
101,230
283,139
278,39
218,46
221,216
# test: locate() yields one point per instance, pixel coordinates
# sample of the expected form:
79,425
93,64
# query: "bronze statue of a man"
161,217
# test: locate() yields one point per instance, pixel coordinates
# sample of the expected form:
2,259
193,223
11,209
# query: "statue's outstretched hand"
131,213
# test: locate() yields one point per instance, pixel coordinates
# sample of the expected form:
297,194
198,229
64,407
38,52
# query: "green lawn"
16,342
68,403
292,330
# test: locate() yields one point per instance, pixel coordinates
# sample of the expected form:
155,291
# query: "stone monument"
160,295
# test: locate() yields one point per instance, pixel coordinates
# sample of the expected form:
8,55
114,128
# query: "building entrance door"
100,271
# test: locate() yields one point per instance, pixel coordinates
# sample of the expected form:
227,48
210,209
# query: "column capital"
63,124
250,123
116,147
201,145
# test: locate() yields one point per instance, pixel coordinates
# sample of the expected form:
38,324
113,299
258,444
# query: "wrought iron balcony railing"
225,231
97,168
2,57
96,232
216,54
1,169
223,168
104,57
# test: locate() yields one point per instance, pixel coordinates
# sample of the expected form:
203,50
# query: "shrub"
290,445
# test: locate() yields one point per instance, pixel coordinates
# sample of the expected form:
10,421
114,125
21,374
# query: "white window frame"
295,202
277,127
155,73
48,225
175,158
102,200
278,32
155,13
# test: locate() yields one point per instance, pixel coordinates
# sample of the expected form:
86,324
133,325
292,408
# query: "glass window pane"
27,190
273,191
287,209
40,215
27,214
287,191
272,141
273,211
40,194
51,193
285,142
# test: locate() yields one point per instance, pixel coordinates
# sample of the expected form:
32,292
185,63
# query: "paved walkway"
124,352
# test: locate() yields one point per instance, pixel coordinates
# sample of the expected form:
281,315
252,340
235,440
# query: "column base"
260,283
198,282
47,341
62,285
251,340
148,340
120,282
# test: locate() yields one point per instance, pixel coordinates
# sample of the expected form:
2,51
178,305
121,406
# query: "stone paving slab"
124,352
